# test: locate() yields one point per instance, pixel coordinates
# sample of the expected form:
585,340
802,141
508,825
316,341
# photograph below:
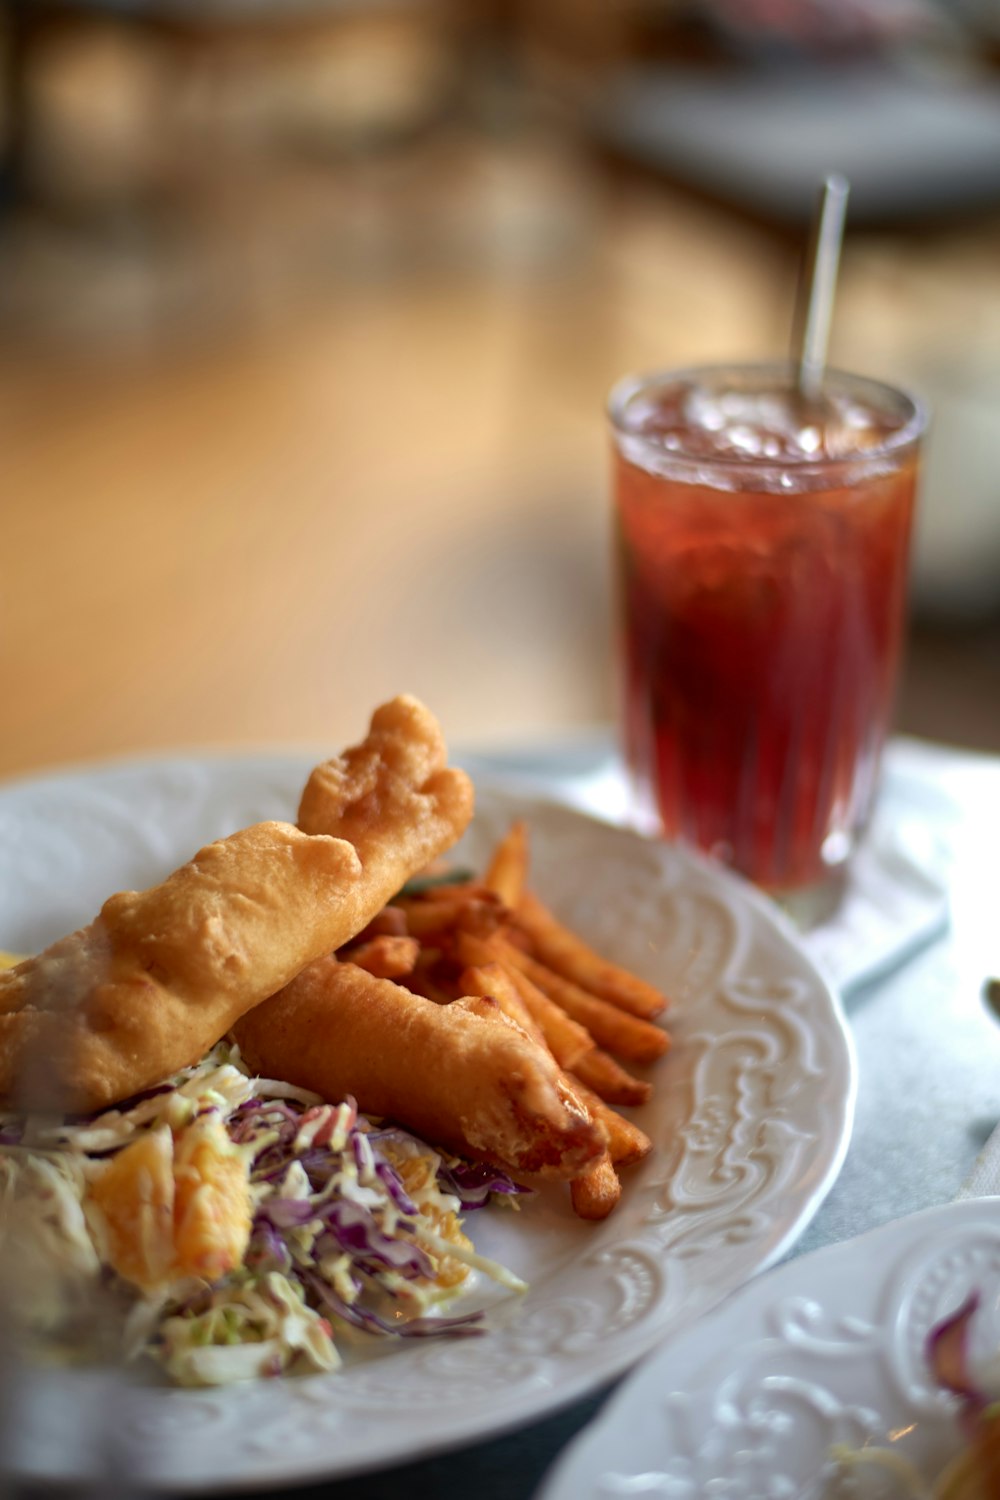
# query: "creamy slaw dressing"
327,1227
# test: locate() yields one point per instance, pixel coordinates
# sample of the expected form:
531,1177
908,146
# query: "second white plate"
827,1350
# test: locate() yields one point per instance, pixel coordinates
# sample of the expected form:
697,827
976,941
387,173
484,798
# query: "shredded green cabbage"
345,1229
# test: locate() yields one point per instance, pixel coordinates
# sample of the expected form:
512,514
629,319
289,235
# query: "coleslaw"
240,1227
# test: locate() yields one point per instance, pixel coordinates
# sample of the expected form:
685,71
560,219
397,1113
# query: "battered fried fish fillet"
460,1075
160,975
392,797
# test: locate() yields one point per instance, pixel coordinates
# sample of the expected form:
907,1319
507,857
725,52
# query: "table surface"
928,1097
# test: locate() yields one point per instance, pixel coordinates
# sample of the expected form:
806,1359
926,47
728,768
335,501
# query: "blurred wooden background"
305,335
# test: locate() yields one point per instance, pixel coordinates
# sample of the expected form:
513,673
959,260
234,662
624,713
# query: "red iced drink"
762,555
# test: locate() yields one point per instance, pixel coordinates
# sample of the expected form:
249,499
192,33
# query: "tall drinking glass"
762,554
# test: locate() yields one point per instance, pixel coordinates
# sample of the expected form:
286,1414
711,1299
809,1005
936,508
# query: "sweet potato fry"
597,1190
565,1038
618,1032
385,956
494,980
508,867
422,980
608,1079
483,915
389,922
568,1041
570,956
627,1144
473,908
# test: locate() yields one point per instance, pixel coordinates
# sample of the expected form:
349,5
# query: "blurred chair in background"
339,288
208,151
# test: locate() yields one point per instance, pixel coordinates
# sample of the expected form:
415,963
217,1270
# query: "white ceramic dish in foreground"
750,1118
828,1349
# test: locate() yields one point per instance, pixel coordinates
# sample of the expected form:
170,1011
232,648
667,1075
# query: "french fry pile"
492,937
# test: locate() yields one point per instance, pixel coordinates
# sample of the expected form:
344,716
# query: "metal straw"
817,303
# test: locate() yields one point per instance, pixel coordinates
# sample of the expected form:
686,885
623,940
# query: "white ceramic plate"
825,1350
750,1120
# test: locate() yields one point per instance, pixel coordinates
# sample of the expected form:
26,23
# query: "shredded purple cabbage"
473,1182
266,1114
266,1250
467,1324
345,1227
354,1229
286,1213
948,1355
346,1230
389,1178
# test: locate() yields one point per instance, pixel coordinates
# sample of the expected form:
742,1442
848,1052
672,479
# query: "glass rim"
892,445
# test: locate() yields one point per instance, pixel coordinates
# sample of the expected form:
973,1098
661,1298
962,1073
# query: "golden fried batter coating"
392,797
160,975
460,1075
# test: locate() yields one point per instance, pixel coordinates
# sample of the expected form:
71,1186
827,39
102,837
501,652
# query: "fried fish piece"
393,797
461,1075
160,975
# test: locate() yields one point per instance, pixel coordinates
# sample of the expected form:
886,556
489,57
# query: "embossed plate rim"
858,1354
775,1010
